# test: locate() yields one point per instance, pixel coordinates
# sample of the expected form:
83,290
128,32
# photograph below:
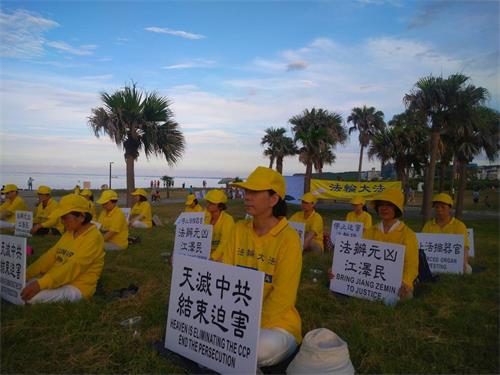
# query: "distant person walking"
30,183
204,184
475,196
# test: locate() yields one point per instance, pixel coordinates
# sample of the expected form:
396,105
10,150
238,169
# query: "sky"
230,69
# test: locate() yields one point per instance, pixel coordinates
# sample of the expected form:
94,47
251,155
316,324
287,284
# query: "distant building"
488,172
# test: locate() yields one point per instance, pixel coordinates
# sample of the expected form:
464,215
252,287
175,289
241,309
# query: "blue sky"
230,69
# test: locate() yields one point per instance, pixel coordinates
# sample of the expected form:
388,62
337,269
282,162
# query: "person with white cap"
13,203
140,215
358,214
313,236
273,247
445,223
192,204
221,221
113,222
44,222
89,196
70,269
389,207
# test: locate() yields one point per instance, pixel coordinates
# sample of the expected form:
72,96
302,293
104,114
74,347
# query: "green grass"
450,327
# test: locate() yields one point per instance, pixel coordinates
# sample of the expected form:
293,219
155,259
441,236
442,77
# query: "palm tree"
367,121
168,182
138,122
279,146
318,131
439,99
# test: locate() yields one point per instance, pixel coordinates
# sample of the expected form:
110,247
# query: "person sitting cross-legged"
13,203
222,222
44,221
358,213
313,236
140,215
113,222
70,269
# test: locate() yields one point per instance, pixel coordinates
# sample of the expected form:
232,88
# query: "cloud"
428,13
83,50
21,34
296,65
197,63
182,34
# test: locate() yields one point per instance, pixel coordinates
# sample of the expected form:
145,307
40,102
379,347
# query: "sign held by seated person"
214,314
444,252
367,269
300,228
191,218
346,228
24,223
193,240
12,268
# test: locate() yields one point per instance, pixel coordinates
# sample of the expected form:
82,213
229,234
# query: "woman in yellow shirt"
87,194
445,223
389,206
44,221
70,269
192,204
140,215
113,222
13,203
358,214
273,247
221,221
313,236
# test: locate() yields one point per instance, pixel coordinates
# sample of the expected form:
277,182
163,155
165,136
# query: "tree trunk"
453,177
360,162
462,183
168,191
279,164
429,178
271,162
442,175
129,160
307,177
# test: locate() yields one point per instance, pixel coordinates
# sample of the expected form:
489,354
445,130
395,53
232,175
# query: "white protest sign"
214,314
444,252
191,218
367,269
193,240
12,268
24,223
126,211
470,234
300,228
97,224
346,228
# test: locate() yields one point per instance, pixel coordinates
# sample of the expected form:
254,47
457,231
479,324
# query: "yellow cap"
263,178
357,200
42,189
395,196
140,192
190,199
86,193
70,203
216,196
309,198
443,198
9,187
106,196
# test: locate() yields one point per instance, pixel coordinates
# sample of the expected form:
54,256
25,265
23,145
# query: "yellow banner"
332,189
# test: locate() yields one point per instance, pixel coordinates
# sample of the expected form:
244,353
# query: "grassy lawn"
451,326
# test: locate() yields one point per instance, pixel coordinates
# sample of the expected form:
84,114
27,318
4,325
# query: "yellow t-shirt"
11,207
144,209
314,223
220,233
92,210
196,208
278,254
404,236
74,261
44,218
455,226
115,221
364,218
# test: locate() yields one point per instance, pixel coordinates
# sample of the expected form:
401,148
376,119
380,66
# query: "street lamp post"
111,162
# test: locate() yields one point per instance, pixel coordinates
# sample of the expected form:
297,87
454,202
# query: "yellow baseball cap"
42,189
140,192
9,187
263,178
395,196
443,198
190,199
106,196
70,203
86,193
357,200
309,198
216,196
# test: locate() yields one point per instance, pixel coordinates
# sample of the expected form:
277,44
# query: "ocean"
70,180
